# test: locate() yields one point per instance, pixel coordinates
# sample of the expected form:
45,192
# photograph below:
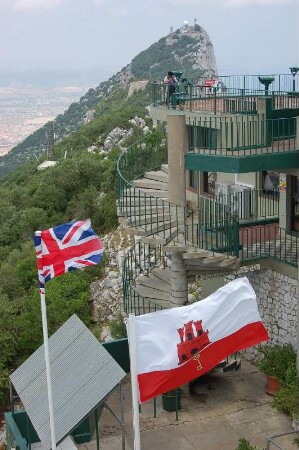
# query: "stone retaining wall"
277,303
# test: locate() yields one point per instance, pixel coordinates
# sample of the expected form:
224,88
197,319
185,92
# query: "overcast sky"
249,36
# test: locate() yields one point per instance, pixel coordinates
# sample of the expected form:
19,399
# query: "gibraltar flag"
177,345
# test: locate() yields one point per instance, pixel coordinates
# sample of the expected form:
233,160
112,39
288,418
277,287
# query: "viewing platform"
234,123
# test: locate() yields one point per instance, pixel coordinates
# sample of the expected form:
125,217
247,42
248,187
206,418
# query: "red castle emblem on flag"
192,340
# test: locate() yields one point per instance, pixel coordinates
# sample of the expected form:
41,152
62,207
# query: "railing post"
296,132
236,243
215,100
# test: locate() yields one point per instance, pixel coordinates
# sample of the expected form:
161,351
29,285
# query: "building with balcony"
220,191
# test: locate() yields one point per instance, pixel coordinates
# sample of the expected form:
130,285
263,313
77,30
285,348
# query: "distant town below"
24,110
29,99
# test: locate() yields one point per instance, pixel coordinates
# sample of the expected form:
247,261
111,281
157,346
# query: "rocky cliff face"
188,49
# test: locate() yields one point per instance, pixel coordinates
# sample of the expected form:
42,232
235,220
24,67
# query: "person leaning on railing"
171,84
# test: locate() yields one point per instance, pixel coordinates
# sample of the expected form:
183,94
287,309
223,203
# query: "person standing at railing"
171,84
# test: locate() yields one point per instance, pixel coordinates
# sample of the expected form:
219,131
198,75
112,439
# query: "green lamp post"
266,81
294,71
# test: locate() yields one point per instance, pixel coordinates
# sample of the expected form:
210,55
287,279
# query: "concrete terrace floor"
220,409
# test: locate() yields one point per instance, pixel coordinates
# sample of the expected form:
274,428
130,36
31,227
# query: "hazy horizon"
93,39
42,78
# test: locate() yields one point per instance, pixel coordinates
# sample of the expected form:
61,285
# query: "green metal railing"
146,154
286,101
241,135
14,437
282,83
227,223
156,216
230,94
201,98
230,101
140,259
20,433
220,236
269,241
251,204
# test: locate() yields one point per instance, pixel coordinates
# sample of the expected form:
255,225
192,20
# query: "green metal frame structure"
213,227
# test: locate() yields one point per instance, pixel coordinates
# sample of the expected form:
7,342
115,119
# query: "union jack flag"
73,245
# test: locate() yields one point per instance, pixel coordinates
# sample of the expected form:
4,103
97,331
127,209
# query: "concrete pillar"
179,284
177,146
264,106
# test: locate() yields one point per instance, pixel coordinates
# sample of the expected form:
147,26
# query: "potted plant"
274,363
245,445
171,400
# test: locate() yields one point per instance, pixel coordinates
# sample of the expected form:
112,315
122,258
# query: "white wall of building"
277,303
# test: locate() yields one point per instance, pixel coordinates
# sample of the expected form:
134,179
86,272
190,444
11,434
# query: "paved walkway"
218,411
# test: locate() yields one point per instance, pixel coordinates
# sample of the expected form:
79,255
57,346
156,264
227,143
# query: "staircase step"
131,200
192,254
211,259
162,238
163,274
140,210
193,273
154,294
148,237
158,175
173,247
227,263
160,227
153,282
203,262
149,218
150,184
163,230
144,194
145,305
135,231
154,240
163,194
164,168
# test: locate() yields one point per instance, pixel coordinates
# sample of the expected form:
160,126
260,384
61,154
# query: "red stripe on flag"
155,383
72,231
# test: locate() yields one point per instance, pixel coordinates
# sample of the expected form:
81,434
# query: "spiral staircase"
165,230
174,240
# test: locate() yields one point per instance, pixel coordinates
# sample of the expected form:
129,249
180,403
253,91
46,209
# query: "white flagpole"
47,359
134,383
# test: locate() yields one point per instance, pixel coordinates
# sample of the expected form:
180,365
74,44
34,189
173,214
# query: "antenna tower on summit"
171,29
51,138
195,21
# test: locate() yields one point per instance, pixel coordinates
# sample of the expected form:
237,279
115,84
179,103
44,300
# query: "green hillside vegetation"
160,57
80,186
72,120
177,51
